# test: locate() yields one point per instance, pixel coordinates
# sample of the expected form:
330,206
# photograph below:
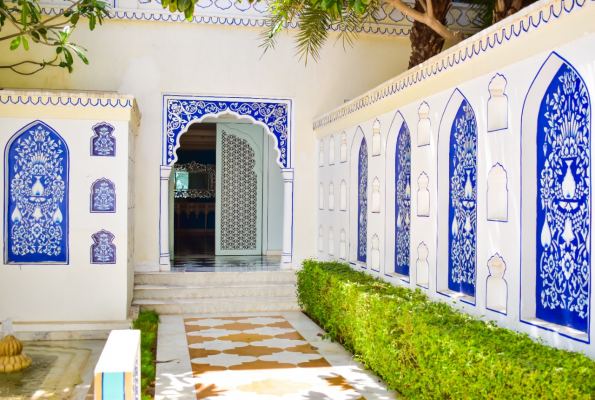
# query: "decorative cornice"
390,21
73,99
518,25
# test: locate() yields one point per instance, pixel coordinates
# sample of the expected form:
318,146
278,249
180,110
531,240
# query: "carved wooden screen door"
238,229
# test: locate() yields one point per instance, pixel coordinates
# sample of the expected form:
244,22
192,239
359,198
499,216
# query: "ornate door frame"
273,114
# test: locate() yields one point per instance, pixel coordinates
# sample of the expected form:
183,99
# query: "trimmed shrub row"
147,323
429,350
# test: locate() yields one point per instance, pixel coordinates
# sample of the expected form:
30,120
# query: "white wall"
148,59
520,68
79,291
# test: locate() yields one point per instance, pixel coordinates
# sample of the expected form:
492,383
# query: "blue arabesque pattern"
36,185
462,207
362,203
402,201
563,202
181,112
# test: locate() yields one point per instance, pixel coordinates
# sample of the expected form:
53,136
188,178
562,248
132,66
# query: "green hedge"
148,323
429,350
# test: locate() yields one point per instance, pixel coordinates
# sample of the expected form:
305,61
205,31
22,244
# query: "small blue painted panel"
181,112
362,204
103,143
563,202
462,210
103,196
403,201
112,386
103,251
36,204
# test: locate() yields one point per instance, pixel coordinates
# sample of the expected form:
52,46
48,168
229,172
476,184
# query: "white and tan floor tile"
260,356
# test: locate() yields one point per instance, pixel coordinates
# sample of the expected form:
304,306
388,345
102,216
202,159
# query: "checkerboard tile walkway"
259,358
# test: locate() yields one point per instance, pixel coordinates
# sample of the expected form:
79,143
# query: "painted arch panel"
563,202
36,187
403,201
462,240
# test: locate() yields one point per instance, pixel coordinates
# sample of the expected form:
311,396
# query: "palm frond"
280,12
312,31
351,24
484,12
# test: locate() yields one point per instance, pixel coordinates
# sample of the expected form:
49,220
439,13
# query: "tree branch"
430,9
41,65
425,18
40,26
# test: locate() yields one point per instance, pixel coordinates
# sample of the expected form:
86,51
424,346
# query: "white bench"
117,374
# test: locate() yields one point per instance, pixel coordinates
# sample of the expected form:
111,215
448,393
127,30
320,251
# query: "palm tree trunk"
425,42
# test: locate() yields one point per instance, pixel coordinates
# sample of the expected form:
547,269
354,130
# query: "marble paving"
257,356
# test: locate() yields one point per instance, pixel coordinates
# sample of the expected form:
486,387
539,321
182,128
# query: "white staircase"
215,292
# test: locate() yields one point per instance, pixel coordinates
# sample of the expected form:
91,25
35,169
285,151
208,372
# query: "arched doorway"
273,118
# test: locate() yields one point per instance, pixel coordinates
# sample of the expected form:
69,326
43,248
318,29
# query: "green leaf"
165,3
92,21
183,4
15,43
25,43
74,19
68,56
189,13
58,50
80,54
24,14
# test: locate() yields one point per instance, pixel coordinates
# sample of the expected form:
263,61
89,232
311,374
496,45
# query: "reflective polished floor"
194,251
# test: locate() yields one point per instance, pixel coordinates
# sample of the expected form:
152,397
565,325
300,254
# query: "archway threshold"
211,263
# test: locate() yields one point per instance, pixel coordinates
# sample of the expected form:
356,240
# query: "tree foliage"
25,17
348,17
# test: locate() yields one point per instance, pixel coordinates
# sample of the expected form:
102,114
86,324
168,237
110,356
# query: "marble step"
218,305
212,290
188,278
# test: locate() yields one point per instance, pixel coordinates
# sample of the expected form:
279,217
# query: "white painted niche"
497,288
497,194
321,196
376,139
423,196
497,104
342,246
424,128
343,194
331,241
376,196
423,268
331,151
321,154
320,239
343,147
331,196
375,253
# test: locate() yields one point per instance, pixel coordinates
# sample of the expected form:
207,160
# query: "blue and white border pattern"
180,111
26,98
532,18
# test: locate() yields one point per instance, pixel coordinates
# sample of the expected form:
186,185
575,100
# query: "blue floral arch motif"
103,196
462,206
103,250
362,202
36,190
403,200
563,201
180,111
